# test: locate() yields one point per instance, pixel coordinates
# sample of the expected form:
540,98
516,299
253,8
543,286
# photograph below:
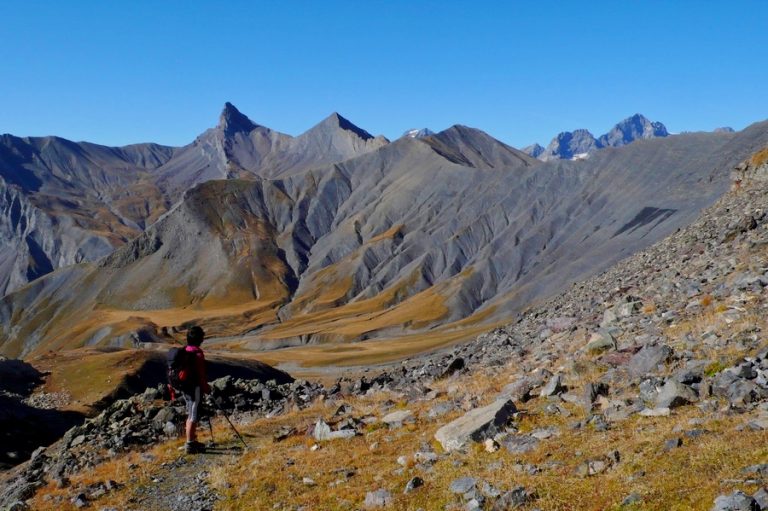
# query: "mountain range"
332,236
581,143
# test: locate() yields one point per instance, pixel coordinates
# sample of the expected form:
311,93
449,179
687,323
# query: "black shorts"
193,404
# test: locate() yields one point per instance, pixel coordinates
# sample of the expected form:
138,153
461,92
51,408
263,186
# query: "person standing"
196,386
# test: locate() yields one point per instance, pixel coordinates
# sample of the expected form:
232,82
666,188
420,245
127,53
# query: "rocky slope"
64,202
416,234
606,395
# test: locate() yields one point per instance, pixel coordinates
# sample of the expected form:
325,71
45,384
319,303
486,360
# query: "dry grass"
759,158
88,375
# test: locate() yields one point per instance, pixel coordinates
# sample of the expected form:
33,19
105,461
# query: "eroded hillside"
607,396
418,243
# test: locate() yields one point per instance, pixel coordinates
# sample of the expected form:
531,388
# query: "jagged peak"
233,121
418,133
335,121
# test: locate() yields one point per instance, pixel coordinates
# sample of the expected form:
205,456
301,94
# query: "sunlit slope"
64,202
417,237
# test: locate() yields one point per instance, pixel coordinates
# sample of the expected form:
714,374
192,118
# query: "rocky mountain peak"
569,144
336,122
418,133
534,150
233,121
581,143
632,128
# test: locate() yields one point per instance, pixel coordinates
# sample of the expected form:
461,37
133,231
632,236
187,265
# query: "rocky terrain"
613,394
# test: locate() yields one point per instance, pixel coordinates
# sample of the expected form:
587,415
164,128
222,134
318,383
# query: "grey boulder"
477,425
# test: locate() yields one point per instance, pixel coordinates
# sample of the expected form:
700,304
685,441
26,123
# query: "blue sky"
125,72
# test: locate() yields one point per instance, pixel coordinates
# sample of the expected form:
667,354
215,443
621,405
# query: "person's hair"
195,336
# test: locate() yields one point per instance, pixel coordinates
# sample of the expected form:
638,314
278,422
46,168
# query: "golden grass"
760,157
689,477
388,234
89,375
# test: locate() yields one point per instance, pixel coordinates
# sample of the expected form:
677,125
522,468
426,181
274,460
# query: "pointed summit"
534,150
232,121
632,128
335,122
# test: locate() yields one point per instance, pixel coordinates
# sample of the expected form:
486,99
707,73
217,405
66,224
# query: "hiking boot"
194,448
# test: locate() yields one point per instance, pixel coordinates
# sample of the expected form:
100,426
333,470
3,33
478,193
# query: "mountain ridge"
580,143
369,247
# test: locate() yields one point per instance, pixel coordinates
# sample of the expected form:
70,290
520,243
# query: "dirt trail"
182,484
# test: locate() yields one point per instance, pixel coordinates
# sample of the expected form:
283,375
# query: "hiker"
186,372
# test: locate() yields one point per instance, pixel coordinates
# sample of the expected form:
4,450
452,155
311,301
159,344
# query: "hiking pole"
230,422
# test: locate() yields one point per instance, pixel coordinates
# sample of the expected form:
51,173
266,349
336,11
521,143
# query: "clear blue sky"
125,72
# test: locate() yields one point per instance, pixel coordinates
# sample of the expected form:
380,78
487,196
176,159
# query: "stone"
632,498
648,359
489,490
745,370
477,425
627,309
397,419
520,390
491,445
737,501
414,483
170,429
553,387
674,394
761,497
513,499
441,409
77,441
166,414
80,501
601,341
591,392
457,364
544,433
322,432
609,318
520,444
744,392
18,506
378,498
673,443
655,412
463,485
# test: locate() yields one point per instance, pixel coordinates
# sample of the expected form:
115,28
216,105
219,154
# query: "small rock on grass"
414,483
378,498
463,485
491,445
737,501
673,443
513,499
761,496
